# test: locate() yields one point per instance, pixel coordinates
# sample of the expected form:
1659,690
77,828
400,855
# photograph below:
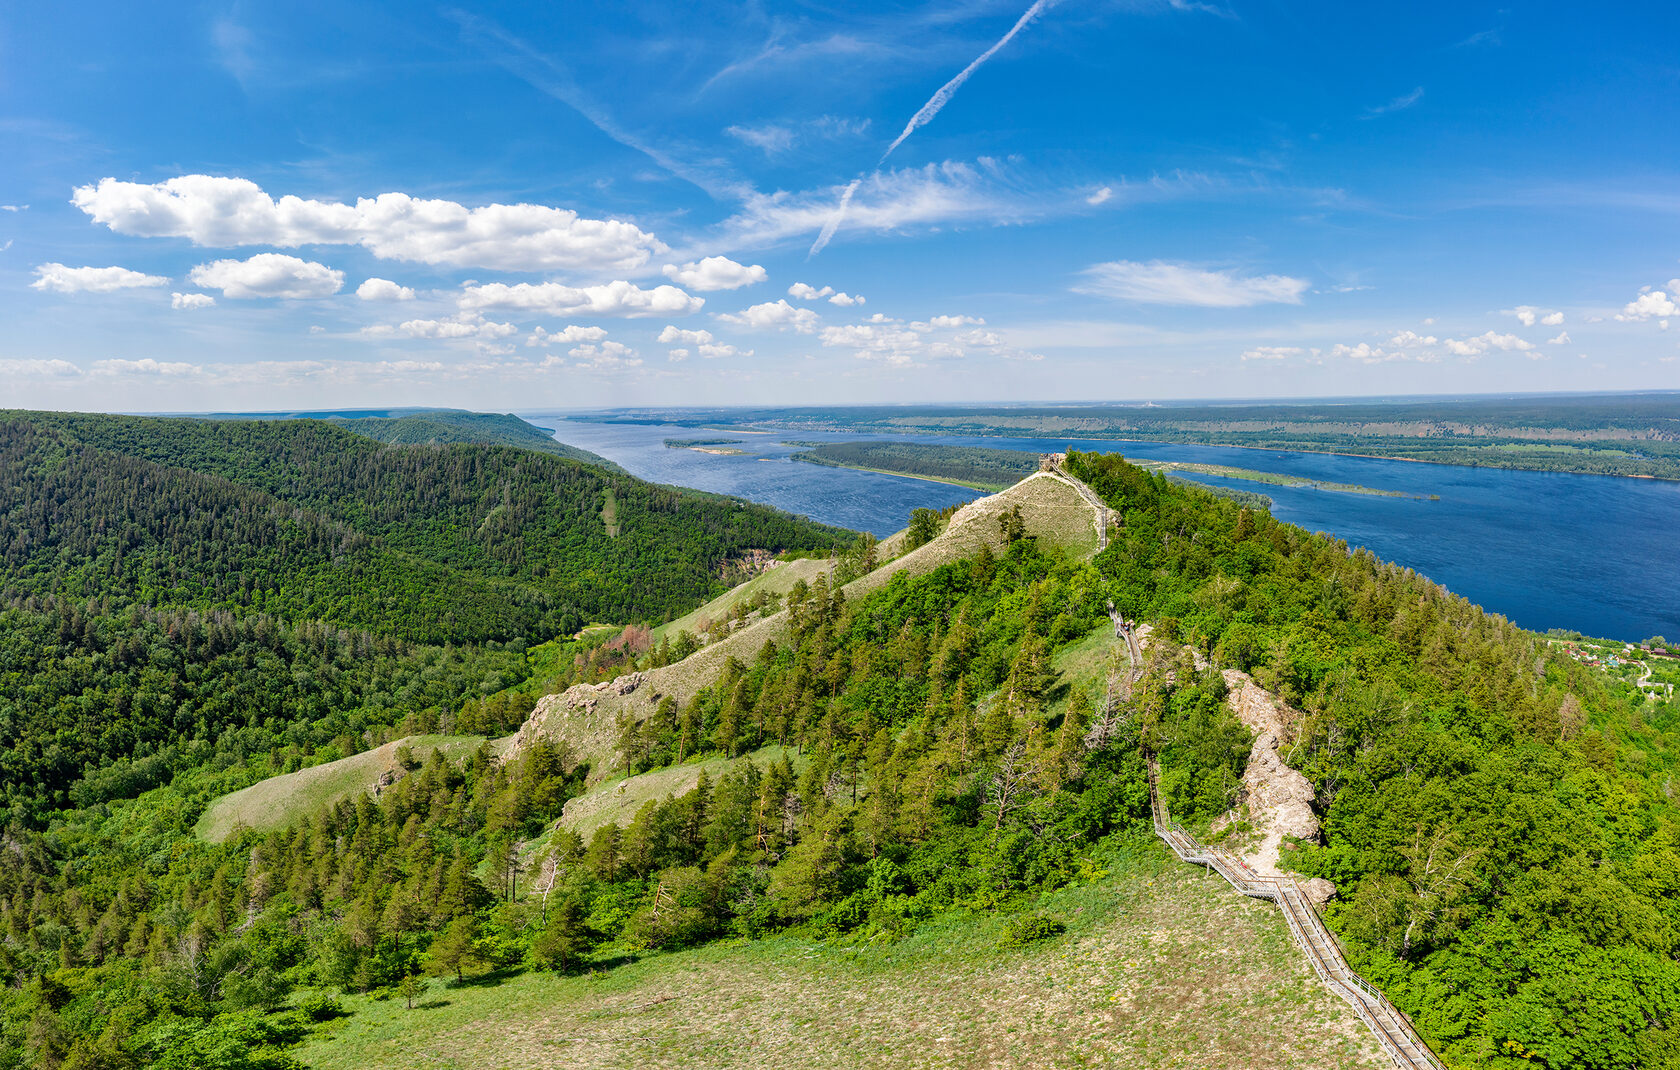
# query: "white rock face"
1279,798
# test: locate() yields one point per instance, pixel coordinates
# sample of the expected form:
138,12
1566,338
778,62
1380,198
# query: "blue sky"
243,206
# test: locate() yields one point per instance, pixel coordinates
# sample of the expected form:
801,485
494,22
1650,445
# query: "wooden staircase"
1392,1028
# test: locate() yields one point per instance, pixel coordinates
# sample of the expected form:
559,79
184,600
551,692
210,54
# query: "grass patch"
281,800
1158,967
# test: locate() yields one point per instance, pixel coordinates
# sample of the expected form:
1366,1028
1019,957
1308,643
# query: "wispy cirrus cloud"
1399,103
1159,282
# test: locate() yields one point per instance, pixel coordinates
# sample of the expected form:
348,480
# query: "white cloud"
956,321
769,138
1652,303
778,314
807,292
1162,283
716,273
608,356
1411,340
144,367
269,275
677,356
895,345
464,325
672,334
1399,103
712,352
1101,195
980,339
988,193
15,368
1475,347
377,289
944,93
57,278
555,299
570,335
1364,353
186,302
227,212
1272,352
1528,316
14,208
1561,340
845,300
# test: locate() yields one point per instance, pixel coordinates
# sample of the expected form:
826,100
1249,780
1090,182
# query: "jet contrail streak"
834,223
949,89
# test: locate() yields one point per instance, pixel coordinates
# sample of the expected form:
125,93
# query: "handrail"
1393,1030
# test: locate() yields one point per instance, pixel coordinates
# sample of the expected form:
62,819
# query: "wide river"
1593,554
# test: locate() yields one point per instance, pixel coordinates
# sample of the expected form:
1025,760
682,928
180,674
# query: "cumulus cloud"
956,321
227,212
807,292
1561,340
269,275
377,289
715,273
845,300
555,299
465,325
672,334
980,339
712,352
894,345
608,356
144,367
1159,282
57,278
570,335
677,356
1651,303
187,302
1482,343
778,314
1528,316
1100,196
1272,352
31,368
1412,339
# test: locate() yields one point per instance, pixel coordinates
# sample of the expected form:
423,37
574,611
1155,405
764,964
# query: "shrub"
1030,928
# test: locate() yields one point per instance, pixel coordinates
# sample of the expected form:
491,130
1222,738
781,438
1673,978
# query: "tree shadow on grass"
485,980
431,1004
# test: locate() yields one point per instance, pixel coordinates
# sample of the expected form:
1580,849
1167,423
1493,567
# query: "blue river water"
1593,554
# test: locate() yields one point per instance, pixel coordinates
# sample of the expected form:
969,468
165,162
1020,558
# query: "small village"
1652,666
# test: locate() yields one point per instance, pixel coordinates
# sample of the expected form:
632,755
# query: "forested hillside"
305,521
1499,822
447,426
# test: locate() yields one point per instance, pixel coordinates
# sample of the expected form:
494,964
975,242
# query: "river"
1594,554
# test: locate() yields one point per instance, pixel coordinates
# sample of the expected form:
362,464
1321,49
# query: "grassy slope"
777,581
281,800
1053,511
1160,967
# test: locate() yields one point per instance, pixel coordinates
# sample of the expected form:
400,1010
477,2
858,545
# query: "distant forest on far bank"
1598,434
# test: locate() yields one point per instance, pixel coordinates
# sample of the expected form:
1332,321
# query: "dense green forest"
446,426
1499,820
1602,434
980,468
305,521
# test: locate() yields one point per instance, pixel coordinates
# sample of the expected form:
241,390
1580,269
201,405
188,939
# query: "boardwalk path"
1394,1031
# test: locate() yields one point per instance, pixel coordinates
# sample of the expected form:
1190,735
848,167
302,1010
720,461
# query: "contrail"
925,116
949,89
834,223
